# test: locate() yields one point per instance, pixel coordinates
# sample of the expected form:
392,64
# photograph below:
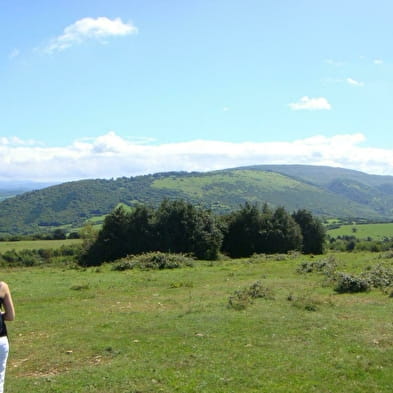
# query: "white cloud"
110,155
88,29
354,82
16,141
378,61
311,104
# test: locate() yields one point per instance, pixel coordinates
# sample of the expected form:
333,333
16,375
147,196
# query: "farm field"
36,244
363,231
103,331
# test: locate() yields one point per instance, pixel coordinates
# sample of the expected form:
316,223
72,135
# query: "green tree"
88,235
242,234
252,230
313,232
59,234
182,228
111,242
207,237
140,232
285,234
176,226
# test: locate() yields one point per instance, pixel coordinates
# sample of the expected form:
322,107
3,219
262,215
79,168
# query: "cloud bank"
311,104
90,29
110,156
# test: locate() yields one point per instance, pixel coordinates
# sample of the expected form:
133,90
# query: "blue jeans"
4,348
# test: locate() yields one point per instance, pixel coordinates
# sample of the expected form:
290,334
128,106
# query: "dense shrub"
153,261
379,276
346,283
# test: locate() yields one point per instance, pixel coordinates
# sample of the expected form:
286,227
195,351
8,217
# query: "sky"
102,89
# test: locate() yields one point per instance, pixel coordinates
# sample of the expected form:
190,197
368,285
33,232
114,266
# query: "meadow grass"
363,231
103,331
36,244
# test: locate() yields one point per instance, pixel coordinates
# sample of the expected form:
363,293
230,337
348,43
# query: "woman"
8,315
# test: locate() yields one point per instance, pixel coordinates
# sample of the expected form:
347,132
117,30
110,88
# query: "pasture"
103,331
36,244
364,231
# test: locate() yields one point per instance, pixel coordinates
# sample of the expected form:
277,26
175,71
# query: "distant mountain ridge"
10,188
325,191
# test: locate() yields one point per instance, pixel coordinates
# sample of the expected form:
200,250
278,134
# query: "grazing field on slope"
234,182
363,231
102,331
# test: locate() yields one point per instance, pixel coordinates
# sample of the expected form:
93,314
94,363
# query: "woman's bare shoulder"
3,288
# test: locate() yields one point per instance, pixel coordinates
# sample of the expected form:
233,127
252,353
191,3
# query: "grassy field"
363,231
101,331
196,185
36,244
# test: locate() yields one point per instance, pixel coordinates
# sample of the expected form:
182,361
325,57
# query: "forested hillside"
369,190
325,191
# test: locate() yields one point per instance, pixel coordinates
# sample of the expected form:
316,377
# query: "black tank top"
3,327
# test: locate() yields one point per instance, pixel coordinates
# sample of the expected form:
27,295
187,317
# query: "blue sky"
98,88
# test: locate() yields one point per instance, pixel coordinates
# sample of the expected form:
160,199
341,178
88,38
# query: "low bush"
380,276
347,283
41,256
123,264
327,266
153,261
307,303
14,258
386,255
242,298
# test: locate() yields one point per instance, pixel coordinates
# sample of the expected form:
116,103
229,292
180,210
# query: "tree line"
178,226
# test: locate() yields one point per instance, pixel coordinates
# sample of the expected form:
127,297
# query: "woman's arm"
9,310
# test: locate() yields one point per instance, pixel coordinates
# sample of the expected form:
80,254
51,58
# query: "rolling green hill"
370,190
325,191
